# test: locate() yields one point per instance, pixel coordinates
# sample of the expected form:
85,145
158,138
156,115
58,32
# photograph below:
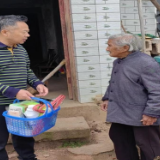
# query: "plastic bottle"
30,113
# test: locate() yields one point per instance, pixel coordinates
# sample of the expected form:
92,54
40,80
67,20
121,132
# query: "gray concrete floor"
57,86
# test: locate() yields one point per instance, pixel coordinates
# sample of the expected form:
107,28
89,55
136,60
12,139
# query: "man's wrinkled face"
17,34
115,51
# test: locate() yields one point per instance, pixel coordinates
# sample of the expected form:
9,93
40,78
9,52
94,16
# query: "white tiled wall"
93,22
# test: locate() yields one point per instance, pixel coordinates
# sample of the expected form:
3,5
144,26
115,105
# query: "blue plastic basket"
26,127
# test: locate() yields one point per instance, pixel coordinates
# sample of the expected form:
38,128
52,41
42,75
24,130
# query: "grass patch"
73,144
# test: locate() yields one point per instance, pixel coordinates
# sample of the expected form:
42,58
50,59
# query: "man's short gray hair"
11,20
133,41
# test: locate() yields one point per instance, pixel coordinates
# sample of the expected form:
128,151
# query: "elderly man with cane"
15,74
132,100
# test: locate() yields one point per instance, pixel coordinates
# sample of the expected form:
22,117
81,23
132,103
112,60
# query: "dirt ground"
53,154
52,150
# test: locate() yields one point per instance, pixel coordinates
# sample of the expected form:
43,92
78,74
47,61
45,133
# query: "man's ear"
4,32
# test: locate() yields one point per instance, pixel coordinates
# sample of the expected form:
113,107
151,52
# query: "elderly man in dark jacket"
132,100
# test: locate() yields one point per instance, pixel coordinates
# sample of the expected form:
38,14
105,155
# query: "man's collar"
2,45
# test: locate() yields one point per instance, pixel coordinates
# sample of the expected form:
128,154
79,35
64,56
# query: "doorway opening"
45,45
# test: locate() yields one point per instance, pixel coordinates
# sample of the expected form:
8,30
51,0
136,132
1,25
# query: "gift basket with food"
31,118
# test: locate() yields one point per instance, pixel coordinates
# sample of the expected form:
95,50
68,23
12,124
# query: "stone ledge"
93,149
103,149
66,128
89,111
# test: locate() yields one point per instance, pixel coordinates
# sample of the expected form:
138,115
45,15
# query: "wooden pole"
156,4
64,28
33,91
54,71
124,30
141,25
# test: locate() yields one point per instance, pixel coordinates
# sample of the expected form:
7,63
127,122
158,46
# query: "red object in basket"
40,107
55,104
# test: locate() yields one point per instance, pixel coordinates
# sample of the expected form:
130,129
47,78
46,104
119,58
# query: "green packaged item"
22,105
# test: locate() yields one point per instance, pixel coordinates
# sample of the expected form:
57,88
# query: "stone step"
70,108
101,149
66,128
90,111
96,151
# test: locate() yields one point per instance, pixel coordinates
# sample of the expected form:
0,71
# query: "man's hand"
147,120
43,91
104,106
24,95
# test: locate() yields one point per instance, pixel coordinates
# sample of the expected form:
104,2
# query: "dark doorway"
33,45
44,46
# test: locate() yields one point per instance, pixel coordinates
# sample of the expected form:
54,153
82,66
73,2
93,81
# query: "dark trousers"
125,139
24,146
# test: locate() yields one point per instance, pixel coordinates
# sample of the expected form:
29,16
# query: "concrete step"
89,111
102,147
66,128
96,151
70,108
